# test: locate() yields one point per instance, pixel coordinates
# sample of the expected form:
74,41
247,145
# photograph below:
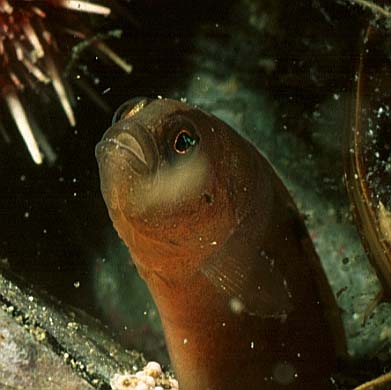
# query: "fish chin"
120,170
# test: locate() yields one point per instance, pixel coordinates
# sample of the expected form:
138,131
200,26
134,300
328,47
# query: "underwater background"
281,73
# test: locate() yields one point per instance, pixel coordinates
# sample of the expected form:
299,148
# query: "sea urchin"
27,44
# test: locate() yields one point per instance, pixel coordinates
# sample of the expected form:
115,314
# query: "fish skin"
239,287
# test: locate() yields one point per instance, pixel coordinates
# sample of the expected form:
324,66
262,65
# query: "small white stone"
174,384
147,379
123,382
142,386
153,369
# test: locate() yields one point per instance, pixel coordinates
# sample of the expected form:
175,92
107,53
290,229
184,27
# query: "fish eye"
184,141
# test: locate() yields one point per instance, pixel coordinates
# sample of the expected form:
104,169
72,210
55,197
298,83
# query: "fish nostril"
130,108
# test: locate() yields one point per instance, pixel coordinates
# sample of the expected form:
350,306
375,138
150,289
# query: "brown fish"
215,234
382,382
367,154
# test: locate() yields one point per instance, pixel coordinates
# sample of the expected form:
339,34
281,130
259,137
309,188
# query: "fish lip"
107,147
132,143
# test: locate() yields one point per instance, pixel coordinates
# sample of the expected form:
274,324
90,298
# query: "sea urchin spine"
26,60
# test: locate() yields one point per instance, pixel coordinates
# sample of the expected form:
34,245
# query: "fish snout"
127,144
127,157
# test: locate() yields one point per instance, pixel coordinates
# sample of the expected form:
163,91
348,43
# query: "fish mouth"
127,146
127,157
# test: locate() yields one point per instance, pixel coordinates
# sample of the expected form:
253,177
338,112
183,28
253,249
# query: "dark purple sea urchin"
27,44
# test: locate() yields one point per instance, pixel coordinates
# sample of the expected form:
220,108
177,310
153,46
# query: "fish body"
216,236
367,154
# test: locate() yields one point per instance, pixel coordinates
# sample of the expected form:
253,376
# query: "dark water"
55,231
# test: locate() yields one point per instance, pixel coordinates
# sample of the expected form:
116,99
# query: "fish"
215,234
383,382
366,155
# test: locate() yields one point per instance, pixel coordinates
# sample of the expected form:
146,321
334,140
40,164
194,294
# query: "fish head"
165,181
